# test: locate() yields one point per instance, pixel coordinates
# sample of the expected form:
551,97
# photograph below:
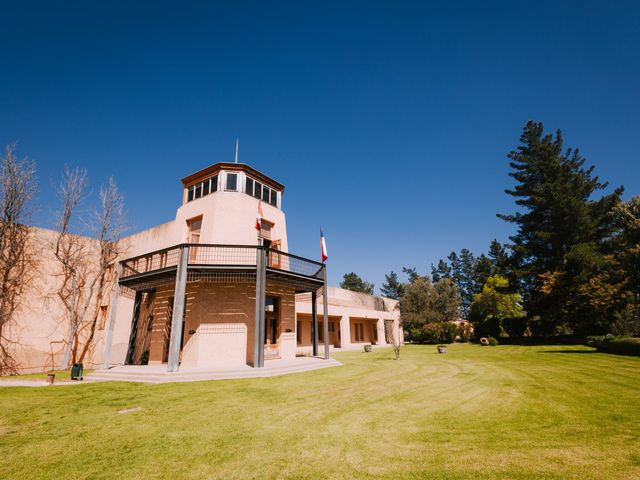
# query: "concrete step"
120,374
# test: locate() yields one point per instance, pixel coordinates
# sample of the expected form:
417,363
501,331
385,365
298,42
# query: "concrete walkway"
159,374
34,383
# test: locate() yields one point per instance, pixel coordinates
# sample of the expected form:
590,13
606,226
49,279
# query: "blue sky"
389,123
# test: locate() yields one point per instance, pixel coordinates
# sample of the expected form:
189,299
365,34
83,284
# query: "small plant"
492,341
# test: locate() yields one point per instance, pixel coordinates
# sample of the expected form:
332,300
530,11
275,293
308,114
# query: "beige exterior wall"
347,309
40,324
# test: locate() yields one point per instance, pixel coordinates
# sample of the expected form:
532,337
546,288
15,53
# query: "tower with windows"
211,288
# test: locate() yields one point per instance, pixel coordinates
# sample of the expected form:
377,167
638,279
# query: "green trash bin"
76,371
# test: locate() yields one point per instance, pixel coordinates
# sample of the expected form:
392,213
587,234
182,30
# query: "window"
359,331
232,181
203,188
261,192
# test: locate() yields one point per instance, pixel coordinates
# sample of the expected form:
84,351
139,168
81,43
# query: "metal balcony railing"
221,257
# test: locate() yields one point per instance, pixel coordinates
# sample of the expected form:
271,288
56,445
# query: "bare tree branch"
85,263
17,263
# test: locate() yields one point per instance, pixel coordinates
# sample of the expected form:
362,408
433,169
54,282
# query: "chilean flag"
259,218
323,247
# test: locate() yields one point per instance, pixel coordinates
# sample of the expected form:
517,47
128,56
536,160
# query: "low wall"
216,345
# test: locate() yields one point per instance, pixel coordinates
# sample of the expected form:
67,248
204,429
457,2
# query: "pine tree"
411,272
352,281
392,287
443,270
558,219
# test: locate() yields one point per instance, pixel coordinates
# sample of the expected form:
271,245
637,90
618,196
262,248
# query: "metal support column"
325,309
134,328
178,310
261,282
314,321
112,319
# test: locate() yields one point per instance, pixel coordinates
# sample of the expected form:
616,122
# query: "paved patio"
159,374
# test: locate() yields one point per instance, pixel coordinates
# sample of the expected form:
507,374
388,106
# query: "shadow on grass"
569,351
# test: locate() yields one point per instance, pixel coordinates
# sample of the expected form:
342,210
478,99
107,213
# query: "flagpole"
325,304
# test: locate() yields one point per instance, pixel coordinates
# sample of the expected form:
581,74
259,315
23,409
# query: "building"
209,289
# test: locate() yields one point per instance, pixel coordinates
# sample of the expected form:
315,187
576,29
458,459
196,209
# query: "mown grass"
506,412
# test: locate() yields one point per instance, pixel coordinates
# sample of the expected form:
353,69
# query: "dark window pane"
232,181
258,190
190,194
214,184
274,198
198,190
265,194
205,187
248,188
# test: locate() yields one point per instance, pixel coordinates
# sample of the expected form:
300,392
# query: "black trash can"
76,371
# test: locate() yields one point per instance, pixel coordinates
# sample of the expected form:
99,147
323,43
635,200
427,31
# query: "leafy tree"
493,306
351,281
424,302
560,228
392,287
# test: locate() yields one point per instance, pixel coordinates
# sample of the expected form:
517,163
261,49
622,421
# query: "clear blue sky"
389,123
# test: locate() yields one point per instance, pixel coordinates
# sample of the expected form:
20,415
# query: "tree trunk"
72,326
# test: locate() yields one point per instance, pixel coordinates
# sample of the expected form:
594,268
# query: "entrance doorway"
271,328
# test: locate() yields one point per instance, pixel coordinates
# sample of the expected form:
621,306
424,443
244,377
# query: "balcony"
221,263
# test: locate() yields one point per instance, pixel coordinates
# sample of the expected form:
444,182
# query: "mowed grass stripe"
478,412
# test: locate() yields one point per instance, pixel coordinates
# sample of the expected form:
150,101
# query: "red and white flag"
323,247
259,218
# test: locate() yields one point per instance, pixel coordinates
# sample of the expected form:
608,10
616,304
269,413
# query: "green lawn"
478,412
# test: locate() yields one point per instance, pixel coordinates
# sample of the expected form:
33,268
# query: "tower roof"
228,166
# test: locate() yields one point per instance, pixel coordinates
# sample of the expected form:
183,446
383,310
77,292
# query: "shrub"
617,345
465,332
492,341
436,332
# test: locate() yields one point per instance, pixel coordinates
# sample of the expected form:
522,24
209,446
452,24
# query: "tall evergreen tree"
411,272
443,270
558,218
352,281
499,258
392,287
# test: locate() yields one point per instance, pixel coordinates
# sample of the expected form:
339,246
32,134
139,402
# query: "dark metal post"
134,328
261,281
112,319
178,310
325,313
314,321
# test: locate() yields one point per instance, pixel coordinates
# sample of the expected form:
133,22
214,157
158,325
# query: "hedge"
617,345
